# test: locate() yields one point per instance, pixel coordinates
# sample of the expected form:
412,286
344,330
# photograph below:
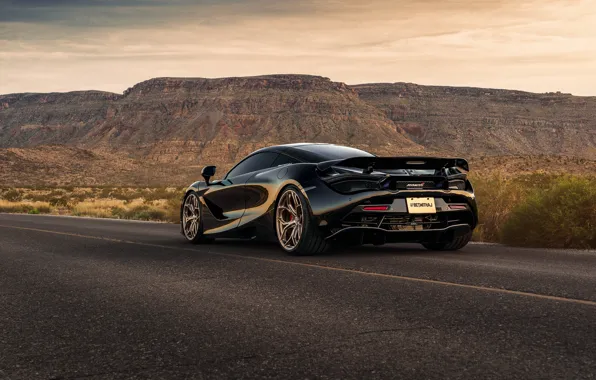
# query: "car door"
260,187
226,199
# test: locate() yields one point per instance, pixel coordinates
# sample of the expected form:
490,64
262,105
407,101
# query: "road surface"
101,299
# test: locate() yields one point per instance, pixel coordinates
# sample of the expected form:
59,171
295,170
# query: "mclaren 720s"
308,197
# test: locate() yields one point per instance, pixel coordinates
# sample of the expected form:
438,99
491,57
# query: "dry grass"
539,209
138,209
26,207
99,208
156,204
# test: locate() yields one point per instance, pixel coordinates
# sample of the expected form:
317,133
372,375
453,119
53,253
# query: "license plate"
421,205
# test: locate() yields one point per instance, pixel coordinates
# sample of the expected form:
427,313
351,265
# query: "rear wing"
368,164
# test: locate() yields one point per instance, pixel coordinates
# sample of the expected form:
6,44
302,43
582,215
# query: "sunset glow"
70,45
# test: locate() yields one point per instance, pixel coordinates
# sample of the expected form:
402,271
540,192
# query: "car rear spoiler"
380,163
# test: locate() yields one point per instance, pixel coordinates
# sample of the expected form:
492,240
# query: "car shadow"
272,249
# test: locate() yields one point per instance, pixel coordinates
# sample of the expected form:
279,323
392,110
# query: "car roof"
313,152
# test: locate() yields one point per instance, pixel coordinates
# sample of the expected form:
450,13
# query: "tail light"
375,208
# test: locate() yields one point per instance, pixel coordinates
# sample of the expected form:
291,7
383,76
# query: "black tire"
312,241
456,243
199,238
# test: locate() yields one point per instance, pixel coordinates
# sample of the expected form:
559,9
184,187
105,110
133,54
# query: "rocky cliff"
201,120
166,127
478,121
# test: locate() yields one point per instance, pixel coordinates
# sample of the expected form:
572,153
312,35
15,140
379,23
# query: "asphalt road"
99,299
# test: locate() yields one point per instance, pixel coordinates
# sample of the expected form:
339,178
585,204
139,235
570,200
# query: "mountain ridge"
188,122
159,118
304,76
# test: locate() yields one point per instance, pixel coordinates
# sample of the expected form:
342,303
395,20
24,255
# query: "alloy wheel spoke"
191,216
287,226
287,236
288,210
289,219
292,209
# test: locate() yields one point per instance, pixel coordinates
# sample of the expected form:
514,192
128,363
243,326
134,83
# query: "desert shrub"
146,212
172,208
59,201
12,195
43,208
36,197
125,195
56,193
562,215
149,214
160,193
496,196
114,208
119,212
13,207
25,207
97,208
78,197
106,192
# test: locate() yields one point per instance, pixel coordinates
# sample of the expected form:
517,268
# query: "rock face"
28,120
58,165
476,121
201,120
166,128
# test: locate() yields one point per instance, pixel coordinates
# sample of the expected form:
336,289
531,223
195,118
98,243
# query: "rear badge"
421,205
415,185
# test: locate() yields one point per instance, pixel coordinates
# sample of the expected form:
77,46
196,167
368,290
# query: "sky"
110,45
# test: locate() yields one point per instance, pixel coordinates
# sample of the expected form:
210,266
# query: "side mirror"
207,173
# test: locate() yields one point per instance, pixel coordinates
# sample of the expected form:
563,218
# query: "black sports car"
309,196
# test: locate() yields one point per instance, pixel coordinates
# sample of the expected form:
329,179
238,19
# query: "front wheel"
456,243
190,218
296,233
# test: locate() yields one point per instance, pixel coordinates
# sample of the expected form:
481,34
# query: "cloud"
110,45
109,13
90,13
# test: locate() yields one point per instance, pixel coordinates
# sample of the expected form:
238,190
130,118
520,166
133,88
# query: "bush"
106,192
25,207
59,201
119,212
43,208
146,212
57,193
12,195
496,196
96,208
173,210
150,214
562,215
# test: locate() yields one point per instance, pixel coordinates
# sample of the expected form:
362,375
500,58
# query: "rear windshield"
326,152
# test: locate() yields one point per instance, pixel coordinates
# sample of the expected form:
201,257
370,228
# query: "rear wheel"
457,242
296,233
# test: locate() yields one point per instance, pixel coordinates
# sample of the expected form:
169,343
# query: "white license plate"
421,205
